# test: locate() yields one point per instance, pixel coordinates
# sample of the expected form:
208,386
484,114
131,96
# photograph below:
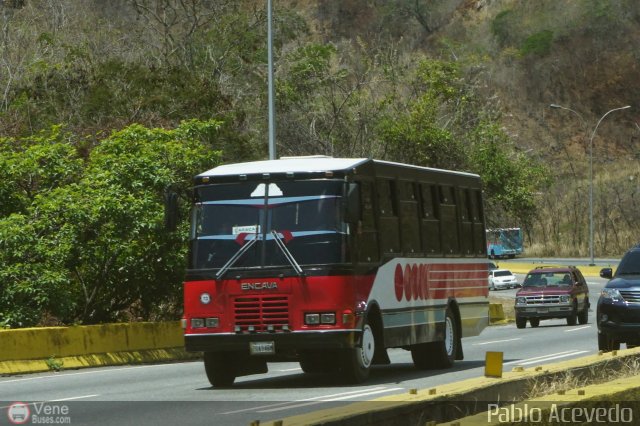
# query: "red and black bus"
329,262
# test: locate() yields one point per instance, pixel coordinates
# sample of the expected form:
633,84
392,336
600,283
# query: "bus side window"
430,219
479,235
388,221
409,225
367,237
466,225
449,220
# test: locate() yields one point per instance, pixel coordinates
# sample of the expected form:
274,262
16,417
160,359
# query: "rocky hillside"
580,55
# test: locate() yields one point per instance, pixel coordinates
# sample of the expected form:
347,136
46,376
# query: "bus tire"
356,362
220,368
441,354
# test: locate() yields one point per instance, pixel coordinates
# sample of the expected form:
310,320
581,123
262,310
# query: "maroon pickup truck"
558,292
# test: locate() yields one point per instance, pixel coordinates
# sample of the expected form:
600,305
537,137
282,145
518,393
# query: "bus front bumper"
282,342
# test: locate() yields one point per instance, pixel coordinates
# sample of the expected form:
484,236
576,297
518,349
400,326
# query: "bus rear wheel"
220,368
441,354
356,362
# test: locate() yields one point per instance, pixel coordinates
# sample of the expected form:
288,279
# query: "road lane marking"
290,369
58,400
540,357
496,341
305,404
356,392
576,329
545,358
73,398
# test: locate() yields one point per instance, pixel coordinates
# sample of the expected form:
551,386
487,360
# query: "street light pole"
591,255
272,120
591,180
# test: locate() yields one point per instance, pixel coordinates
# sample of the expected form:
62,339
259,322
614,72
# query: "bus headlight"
212,322
328,318
312,319
320,318
197,322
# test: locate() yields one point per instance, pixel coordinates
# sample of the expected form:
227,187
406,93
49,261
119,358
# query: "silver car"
502,278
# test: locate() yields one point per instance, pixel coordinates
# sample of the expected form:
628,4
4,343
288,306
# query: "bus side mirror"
352,215
170,210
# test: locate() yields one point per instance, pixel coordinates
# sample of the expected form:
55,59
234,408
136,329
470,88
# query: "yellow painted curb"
29,350
95,360
44,342
496,313
523,268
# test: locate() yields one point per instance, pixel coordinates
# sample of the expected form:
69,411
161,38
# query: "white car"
502,278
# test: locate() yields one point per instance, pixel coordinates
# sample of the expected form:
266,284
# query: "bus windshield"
306,216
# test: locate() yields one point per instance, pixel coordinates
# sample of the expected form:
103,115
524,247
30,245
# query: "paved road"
180,393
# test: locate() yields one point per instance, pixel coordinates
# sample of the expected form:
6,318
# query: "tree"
511,180
95,249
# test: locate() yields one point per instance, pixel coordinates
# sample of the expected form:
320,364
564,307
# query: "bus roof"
286,164
309,164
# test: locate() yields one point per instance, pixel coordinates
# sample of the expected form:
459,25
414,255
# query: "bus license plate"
262,348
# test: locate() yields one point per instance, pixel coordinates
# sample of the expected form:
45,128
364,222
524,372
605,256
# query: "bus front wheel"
357,361
220,368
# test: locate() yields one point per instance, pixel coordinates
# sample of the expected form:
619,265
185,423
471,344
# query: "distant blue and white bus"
504,242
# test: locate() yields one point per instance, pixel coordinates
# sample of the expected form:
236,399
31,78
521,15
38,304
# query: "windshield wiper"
235,258
287,253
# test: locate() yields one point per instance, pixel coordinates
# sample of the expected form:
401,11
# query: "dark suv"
558,292
619,304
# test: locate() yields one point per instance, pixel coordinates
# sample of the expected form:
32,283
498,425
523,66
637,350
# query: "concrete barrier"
496,313
45,348
523,268
470,399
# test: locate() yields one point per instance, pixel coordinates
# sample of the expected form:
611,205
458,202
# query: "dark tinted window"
306,215
630,264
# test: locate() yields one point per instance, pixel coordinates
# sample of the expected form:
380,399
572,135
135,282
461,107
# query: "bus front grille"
260,314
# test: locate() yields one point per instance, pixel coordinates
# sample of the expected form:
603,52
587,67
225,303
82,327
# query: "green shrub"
538,43
501,26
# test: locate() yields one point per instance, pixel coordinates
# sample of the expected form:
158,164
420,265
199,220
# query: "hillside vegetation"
104,105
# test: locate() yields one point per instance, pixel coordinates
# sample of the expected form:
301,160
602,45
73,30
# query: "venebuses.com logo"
18,413
48,412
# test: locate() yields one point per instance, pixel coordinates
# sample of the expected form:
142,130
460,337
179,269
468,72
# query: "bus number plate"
262,348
